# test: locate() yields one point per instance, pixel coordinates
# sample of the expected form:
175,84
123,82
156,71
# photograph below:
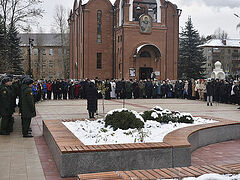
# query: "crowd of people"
29,92
221,91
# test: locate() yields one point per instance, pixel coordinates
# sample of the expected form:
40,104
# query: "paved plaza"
30,159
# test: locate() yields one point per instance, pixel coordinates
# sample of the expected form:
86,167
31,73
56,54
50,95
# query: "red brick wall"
91,47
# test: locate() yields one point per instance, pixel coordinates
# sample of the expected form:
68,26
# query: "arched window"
145,54
99,26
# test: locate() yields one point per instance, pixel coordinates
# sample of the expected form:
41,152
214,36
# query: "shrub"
165,116
186,119
147,115
123,120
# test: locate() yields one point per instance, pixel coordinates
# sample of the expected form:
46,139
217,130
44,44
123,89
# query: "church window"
99,27
35,51
99,60
44,51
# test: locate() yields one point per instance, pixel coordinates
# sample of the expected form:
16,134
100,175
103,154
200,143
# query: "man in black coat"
217,90
148,87
210,90
54,89
59,89
108,89
65,86
91,93
118,88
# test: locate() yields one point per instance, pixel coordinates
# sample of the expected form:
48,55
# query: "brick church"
132,39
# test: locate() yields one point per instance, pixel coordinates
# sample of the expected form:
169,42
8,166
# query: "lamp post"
29,56
238,26
236,15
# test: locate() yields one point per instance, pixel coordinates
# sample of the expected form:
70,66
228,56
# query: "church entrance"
145,73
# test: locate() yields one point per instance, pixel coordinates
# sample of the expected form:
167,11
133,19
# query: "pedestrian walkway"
218,154
29,159
19,156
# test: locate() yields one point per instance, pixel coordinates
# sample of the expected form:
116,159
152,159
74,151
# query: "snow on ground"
215,177
94,132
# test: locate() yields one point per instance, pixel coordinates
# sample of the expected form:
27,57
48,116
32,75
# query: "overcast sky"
207,15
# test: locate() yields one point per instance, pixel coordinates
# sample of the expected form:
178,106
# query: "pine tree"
2,47
191,58
14,51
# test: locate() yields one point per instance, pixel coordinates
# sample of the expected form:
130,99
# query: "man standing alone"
91,99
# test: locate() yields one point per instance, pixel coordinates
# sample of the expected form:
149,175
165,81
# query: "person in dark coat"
190,89
54,89
148,87
210,91
6,106
164,89
122,89
39,91
141,86
65,89
216,95
118,88
135,89
76,90
108,89
91,93
71,90
222,92
28,110
59,89
128,86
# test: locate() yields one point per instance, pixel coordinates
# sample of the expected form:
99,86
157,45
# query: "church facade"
132,39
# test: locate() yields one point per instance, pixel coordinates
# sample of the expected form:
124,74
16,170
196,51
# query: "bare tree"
20,12
17,14
61,26
220,34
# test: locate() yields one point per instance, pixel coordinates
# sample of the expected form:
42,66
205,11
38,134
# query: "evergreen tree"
14,51
191,58
2,42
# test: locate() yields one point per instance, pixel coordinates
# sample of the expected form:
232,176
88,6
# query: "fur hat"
6,79
27,81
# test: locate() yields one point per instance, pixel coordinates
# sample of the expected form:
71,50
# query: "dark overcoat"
210,89
91,93
27,102
5,101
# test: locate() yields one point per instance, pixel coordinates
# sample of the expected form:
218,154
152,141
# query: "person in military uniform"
6,105
14,91
28,110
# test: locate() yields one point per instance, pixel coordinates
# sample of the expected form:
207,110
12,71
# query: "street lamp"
179,12
29,56
236,15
